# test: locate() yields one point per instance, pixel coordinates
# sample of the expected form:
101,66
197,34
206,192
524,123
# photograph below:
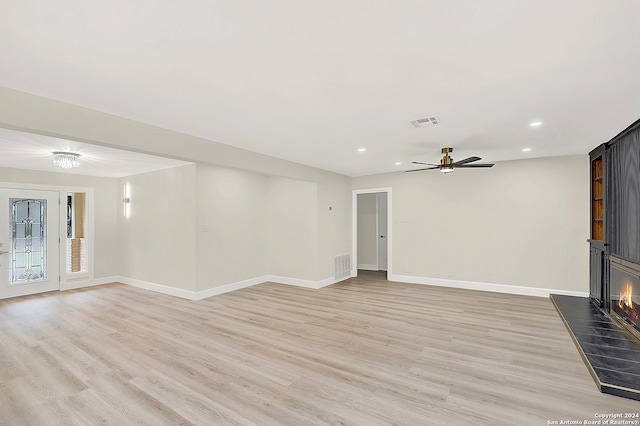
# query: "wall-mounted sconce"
126,200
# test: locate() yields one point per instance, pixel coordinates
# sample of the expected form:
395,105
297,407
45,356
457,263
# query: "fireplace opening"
625,294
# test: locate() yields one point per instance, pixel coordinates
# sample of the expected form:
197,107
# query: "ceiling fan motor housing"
446,160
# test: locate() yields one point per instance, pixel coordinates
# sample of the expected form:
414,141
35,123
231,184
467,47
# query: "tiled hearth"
611,353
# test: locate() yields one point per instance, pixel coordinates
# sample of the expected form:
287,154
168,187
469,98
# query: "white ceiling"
313,81
34,152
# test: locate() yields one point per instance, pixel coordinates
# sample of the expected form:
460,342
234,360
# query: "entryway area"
372,234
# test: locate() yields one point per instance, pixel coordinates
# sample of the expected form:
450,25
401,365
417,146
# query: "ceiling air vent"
425,122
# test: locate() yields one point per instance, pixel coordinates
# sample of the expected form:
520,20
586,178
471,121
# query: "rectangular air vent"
342,265
425,122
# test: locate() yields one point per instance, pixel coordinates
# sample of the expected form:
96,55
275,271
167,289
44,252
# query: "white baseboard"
474,285
291,281
304,283
226,288
214,291
567,293
89,282
368,267
331,280
164,289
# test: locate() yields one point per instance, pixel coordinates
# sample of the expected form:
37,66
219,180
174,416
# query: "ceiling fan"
447,164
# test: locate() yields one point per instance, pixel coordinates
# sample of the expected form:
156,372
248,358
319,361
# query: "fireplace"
625,294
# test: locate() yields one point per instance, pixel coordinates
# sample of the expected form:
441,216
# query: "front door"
29,255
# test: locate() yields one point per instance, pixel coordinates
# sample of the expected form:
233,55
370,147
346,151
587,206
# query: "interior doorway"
372,231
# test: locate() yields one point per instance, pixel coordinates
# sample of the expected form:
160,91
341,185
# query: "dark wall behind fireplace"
619,160
623,197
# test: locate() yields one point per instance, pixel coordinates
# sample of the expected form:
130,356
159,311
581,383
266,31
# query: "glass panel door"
28,242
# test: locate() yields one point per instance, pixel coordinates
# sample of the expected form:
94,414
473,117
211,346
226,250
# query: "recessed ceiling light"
535,124
397,163
362,149
526,149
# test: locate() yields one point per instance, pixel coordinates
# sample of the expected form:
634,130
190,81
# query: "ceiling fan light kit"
447,165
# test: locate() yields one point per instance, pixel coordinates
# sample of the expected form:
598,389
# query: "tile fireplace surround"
610,352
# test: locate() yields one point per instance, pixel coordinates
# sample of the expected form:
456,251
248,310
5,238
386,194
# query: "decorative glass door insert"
27,240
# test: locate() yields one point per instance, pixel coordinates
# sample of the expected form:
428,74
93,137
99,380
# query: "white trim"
82,283
303,283
354,227
329,281
37,186
226,288
159,288
368,267
292,281
474,285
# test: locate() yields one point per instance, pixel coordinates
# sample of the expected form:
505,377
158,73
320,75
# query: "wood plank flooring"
362,352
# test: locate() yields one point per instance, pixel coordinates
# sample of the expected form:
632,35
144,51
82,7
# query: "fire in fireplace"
626,306
625,292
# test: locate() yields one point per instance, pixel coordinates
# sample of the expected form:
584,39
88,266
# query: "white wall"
157,242
30,113
521,223
232,223
105,196
292,236
334,222
367,231
227,225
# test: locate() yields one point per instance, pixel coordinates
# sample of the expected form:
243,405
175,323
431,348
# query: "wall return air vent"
342,266
425,122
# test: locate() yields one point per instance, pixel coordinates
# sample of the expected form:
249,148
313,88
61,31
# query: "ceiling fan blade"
466,160
424,164
419,170
463,166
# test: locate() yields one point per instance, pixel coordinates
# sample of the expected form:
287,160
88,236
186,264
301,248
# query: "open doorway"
372,236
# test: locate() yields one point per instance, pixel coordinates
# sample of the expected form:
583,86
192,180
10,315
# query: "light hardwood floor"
361,352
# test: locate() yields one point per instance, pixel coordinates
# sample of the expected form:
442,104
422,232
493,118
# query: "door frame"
354,227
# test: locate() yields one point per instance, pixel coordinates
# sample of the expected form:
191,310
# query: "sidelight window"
77,250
